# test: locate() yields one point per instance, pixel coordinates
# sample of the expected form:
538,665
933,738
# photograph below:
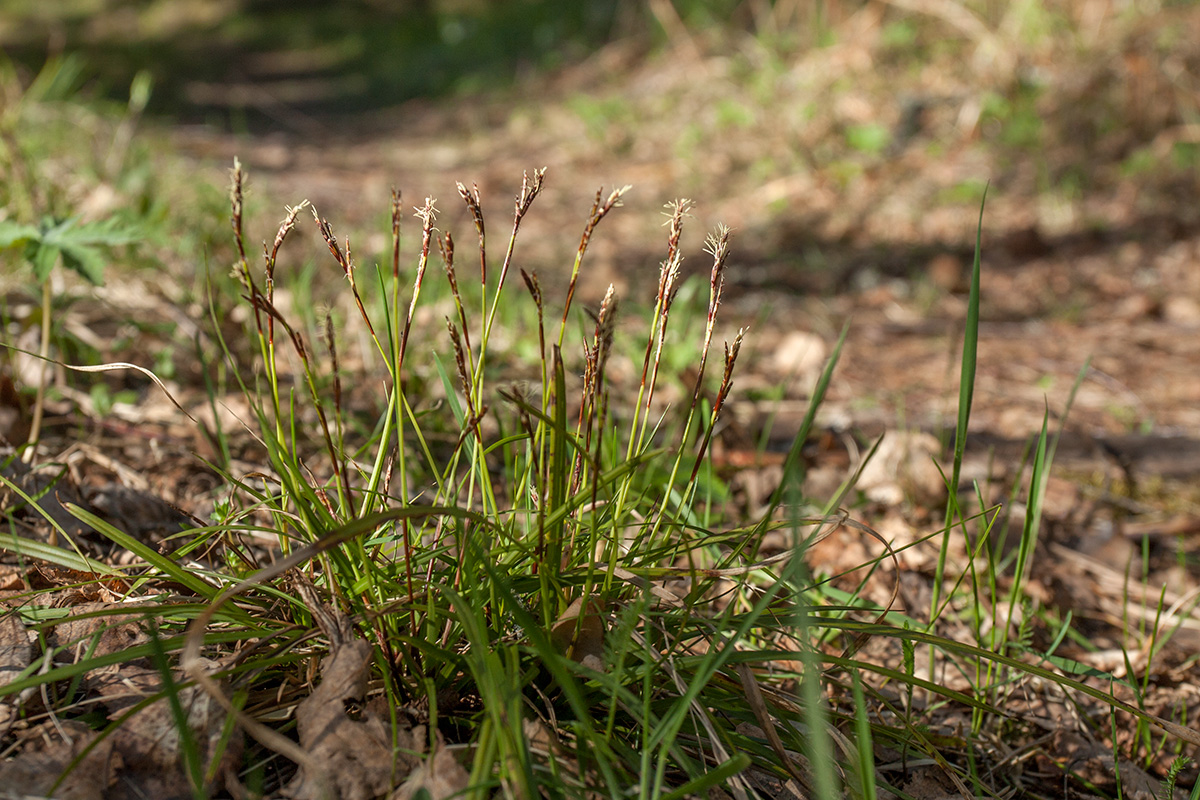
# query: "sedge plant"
489,552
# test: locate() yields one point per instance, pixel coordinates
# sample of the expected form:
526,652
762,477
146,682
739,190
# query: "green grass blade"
169,568
863,741
793,464
698,787
972,651
966,394
55,555
559,478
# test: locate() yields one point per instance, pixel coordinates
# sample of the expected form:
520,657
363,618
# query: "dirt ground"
1110,281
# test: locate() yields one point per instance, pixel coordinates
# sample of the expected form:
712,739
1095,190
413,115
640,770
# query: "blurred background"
1068,102
232,61
847,142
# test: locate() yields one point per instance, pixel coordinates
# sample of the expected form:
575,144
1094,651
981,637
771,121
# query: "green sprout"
79,247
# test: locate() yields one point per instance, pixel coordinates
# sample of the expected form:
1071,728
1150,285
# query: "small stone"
1181,310
903,467
800,354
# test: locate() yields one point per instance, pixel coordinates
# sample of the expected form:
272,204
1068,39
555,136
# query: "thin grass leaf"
715,777
793,464
187,739
966,394
973,651
561,441
169,569
51,554
66,672
864,744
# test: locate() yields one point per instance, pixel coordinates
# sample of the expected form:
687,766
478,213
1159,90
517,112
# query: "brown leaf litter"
37,500
16,654
352,739
354,752
579,634
143,755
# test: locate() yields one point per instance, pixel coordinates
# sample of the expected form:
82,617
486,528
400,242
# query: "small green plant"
44,237
75,245
870,138
513,543
1015,117
526,543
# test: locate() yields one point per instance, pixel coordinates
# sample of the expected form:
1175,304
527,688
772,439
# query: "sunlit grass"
527,547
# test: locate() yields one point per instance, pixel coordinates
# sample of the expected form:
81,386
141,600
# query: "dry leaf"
14,418
116,632
766,723
12,578
353,742
441,775
37,768
1098,768
147,746
904,467
150,746
581,640
15,655
50,490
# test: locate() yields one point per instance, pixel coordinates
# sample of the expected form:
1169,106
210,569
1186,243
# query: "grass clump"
506,549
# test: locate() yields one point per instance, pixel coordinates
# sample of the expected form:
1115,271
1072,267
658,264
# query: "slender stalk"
39,404
718,246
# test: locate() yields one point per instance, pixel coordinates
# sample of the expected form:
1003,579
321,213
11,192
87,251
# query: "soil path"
808,255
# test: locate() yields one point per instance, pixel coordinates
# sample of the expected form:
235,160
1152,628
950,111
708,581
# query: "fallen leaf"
151,748
14,418
35,770
15,655
12,577
352,741
581,640
440,775
1097,766
148,744
904,468
797,354
112,633
50,490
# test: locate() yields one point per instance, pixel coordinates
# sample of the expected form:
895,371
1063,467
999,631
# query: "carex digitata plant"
509,545
545,573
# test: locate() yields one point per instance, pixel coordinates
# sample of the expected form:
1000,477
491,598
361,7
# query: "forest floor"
852,202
